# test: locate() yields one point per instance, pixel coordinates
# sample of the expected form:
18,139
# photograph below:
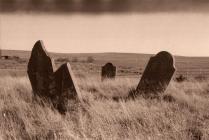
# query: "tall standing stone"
40,69
0,52
60,87
66,87
108,71
157,75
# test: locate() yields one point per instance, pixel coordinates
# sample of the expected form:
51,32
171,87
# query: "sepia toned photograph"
104,70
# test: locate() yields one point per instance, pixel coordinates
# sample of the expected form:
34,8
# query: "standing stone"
66,87
157,75
108,71
40,70
0,52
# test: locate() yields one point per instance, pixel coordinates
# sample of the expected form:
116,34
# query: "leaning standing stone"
40,69
66,86
108,71
157,75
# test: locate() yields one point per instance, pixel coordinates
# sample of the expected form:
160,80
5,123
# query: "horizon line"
176,55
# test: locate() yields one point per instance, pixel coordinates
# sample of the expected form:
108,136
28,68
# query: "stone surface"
157,75
108,71
59,87
40,69
66,87
0,53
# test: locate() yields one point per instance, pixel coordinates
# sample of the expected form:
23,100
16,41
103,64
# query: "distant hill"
184,65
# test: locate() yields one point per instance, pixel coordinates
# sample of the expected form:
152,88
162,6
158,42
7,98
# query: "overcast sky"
91,26
184,34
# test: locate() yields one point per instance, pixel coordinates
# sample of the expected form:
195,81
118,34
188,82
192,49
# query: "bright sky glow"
184,34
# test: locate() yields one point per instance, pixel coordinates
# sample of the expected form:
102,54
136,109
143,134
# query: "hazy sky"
180,33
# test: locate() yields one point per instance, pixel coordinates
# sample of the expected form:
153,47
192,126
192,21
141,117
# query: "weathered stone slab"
157,75
108,71
66,87
59,86
40,69
0,53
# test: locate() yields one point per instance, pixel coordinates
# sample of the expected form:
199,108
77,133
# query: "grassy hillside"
180,113
186,117
127,63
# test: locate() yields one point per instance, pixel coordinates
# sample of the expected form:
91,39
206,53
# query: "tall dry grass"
185,117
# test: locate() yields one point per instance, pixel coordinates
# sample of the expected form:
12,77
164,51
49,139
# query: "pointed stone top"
40,69
39,46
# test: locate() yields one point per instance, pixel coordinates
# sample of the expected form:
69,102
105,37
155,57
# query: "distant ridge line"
118,53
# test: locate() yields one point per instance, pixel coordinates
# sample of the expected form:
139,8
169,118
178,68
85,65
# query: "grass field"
184,117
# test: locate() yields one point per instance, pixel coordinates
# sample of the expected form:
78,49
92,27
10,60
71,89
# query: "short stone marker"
157,75
66,87
108,71
40,69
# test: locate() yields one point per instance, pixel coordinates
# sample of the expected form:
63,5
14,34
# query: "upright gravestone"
66,87
40,70
157,75
108,71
